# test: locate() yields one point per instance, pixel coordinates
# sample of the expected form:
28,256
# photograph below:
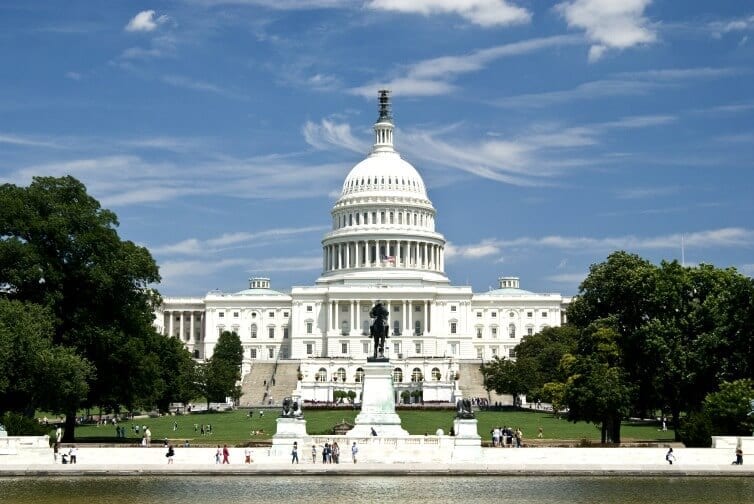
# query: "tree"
730,409
505,376
218,377
544,351
35,373
597,389
61,250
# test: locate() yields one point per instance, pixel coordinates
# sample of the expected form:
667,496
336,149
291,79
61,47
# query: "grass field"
236,427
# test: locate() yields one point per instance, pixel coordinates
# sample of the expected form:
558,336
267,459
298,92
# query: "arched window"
512,330
416,375
397,375
322,375
340,374
359,375
253,331
417,328
435,374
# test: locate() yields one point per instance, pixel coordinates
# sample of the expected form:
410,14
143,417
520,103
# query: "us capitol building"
314,340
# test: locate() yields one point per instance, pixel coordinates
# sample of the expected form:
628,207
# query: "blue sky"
549,133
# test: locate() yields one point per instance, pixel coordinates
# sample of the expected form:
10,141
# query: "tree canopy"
60,251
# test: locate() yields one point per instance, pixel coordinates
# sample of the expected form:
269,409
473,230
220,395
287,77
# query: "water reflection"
414,490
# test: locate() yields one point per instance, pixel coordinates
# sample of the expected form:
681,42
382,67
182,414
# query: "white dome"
384,172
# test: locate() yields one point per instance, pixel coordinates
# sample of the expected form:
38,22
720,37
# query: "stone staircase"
285,381
471,384
254,384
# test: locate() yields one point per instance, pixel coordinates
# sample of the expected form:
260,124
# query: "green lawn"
236,427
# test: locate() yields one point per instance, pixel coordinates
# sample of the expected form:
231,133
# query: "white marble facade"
382,246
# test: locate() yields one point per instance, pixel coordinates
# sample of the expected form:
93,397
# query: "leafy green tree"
35,373
505,376
61,250
177,370
729,409
218,376
544,351
597,389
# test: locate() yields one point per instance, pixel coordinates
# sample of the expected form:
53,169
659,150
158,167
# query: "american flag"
388,259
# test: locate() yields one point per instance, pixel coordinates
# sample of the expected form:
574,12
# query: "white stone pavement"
521,461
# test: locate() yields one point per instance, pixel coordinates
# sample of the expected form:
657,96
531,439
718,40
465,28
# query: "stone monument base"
289,430
377,403
468,443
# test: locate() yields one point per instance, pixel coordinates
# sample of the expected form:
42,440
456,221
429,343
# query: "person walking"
73,454
218,455
226,454
739,457
170,454
247,455
669,456
314,454
294,453
354,451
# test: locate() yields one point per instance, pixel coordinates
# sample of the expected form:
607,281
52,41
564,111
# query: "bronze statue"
379,329
463,409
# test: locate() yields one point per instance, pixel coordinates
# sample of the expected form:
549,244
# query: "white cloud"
73,76
483,249
645,192
620,84
273,264
718,28
433,76
195,246
328,133
146,21
198,85
568,278
481,12
609,24
21,141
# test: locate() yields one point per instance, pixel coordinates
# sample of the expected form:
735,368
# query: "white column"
333,314
426,317
170,323
180,326
353,315
202,329
191,327
405,317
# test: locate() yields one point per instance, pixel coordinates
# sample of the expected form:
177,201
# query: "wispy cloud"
483,249
146,21
718,28
568,278
23,141
646,192
227,241
609,24
485,13
280,4
202,86
73,76
620,84
272,264
328,133
434,76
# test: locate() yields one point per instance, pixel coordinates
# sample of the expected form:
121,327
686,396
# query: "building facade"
383,245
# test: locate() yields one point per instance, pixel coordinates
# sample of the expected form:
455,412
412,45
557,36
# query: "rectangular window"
418,348
285,314
308,328
454,349
479,352
529,314
417,308
478,332
344,309
544,314
397,348
235,314
253,353
391,217
382,217
529,331
453,327
453,308
271,314
374,217
494,351
285,332
494,314
396,308
221,315
309,308
271,332
271,352
478,314
494,332
309,348
365,347
344,348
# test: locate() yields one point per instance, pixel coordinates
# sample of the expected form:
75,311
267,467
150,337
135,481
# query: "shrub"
696,430
19,425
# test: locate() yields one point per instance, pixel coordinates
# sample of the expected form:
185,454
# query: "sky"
548,133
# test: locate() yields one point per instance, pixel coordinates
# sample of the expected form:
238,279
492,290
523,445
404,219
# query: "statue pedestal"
289,429
468,443
377,403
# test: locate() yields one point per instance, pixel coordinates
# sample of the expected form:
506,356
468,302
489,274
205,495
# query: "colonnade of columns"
383,253
354,317
187,325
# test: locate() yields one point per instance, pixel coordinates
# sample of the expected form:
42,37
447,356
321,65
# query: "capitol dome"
383,221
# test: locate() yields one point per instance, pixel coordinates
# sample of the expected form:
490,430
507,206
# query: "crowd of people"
508,437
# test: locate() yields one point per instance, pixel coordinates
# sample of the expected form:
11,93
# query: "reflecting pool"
389,489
